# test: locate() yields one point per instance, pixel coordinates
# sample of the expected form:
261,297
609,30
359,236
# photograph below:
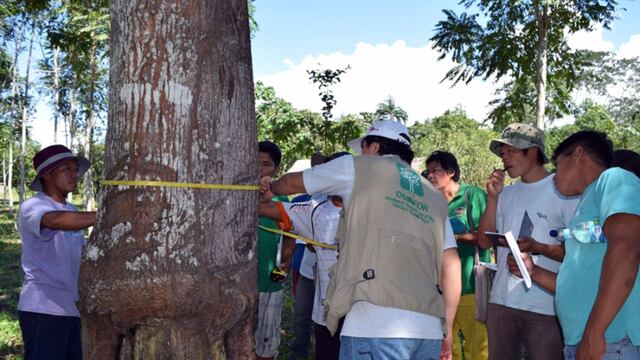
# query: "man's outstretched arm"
68,220
291,183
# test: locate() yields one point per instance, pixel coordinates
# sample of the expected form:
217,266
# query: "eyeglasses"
432,171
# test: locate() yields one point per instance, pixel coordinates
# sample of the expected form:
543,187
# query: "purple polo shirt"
50,260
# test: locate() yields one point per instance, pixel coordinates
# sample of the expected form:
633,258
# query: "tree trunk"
4,176
14,112
542,16
56,89
88,180
170,273
25,116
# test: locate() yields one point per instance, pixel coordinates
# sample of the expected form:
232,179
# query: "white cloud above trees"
410,74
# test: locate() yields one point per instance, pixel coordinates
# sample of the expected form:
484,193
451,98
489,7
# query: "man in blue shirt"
597,287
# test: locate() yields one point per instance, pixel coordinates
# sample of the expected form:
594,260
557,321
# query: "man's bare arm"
451,288
291,183
619,272
270,209
68,220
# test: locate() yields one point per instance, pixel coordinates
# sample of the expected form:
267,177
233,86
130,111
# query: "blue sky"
386,45
292,29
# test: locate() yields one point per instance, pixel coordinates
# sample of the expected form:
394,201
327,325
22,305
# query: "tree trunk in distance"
542,17
171,273
88,141
25,116
56,89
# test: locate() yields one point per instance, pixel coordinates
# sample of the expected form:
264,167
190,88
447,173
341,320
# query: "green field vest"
391,241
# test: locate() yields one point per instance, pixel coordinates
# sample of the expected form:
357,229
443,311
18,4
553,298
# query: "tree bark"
542,17
171,273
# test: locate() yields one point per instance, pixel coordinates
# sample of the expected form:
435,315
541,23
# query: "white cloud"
590,40
411,75
631,48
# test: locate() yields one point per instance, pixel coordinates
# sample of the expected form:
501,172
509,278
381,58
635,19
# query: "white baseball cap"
390,129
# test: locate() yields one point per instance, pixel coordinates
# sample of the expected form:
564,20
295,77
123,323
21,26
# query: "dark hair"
539,154
595,143
391,147
628,160
447,161
272,149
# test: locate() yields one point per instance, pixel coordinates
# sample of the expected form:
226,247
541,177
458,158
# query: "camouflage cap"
520,136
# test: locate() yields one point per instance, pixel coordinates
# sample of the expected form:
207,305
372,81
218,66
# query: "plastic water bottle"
589,232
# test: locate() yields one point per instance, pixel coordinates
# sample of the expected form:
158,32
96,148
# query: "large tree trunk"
542,17
170,273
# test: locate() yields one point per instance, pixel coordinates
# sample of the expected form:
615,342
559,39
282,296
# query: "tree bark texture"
171,273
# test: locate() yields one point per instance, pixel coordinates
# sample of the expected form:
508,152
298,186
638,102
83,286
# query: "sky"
386,44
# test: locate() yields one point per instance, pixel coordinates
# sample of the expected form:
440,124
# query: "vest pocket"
406,264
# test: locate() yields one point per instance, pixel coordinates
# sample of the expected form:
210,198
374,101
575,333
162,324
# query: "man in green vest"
397,280
466,205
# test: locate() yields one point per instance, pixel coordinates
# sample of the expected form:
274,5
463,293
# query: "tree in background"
464,137
390,110
299,133
496,42
171,272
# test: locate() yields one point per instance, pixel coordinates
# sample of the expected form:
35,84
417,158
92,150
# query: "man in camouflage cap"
520,136
520,316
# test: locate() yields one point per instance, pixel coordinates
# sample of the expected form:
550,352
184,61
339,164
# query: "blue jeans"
354,348
620,350
50,337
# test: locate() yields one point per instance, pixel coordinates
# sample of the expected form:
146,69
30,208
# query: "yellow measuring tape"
215,187
295,236
179,185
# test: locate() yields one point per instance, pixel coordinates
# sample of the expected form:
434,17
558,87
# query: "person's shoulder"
473,189
615,177
38,200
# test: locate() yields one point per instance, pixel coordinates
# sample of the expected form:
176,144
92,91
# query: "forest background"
54,73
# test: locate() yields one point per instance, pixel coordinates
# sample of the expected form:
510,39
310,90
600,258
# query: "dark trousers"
50,337
302,308
510,328
327,346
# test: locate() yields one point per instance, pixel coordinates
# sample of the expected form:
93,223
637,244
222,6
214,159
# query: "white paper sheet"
515,250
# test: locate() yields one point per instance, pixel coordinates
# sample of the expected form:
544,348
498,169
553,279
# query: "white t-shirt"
365,319
317,219
548,210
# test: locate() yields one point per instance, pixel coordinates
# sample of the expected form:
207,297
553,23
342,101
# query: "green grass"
10,282
286,326
11,276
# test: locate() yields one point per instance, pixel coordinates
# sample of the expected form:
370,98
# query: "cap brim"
356,145
83,166
495,145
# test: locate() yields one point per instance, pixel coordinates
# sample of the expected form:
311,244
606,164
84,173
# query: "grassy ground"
11,279
10,282
286,330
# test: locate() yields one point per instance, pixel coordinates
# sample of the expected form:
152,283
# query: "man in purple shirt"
52,240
